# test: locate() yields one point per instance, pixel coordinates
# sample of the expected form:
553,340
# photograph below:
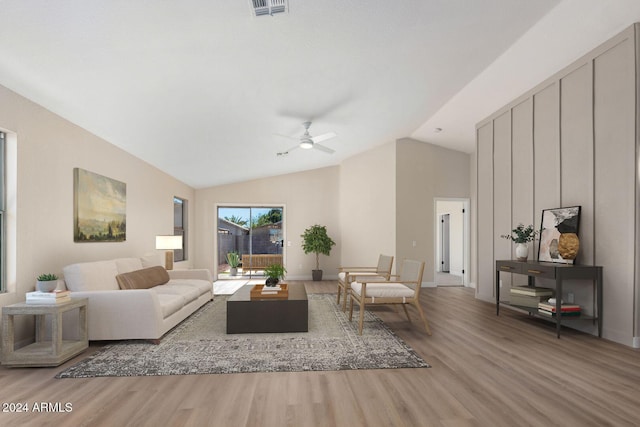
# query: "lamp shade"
168,242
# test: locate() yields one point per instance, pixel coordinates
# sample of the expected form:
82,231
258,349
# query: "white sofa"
117,314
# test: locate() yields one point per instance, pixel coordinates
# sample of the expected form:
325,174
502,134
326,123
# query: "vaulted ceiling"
203,89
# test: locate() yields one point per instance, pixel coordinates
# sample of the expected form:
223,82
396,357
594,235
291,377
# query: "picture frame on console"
559,240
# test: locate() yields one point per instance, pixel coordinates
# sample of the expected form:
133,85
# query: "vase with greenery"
233,259
46,282
274,273
522,235
316,240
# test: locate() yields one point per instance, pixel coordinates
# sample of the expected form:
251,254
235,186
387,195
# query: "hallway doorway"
452,242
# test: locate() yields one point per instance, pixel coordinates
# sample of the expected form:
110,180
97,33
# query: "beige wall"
425,172
367,206
309,198
48,149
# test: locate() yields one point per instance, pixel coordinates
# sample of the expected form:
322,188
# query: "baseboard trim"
636,342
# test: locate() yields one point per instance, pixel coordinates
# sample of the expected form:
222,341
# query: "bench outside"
253,262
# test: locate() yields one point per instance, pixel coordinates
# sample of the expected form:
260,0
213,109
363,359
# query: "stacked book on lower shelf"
529,296
566,310
54,297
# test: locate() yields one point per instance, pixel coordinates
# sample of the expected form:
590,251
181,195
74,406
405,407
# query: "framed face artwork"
559,235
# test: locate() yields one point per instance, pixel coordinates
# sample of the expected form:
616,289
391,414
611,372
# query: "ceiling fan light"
306,144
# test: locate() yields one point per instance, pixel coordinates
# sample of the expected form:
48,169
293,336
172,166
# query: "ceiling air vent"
268,7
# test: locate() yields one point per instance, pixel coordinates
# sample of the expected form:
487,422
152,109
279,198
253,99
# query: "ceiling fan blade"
324,137
323,148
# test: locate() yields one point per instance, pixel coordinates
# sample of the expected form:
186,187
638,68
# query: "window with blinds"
180,227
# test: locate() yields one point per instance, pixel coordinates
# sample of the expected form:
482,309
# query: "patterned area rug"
200,345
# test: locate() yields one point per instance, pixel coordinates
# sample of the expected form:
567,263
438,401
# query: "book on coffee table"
264,292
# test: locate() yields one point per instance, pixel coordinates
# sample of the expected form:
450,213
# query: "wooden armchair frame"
381,272
405,291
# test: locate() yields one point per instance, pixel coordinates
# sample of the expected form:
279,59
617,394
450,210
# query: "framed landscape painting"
557,224
100,208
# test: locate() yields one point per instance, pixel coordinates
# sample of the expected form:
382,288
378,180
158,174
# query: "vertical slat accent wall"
502,190
485,211
572,140
614,132
522,178
546,150
636,338
576,125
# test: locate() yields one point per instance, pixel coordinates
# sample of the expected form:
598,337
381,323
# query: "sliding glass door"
250,238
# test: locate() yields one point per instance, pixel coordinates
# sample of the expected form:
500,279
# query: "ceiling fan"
307,141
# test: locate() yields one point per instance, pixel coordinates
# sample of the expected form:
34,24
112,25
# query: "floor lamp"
168,243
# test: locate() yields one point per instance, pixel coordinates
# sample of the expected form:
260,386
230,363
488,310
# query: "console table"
559,273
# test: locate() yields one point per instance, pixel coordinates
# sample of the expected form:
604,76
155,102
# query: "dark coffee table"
245,315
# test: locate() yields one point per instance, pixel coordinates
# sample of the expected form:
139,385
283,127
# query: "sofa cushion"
384,290
203,286
91,276
127,265
143,279
169,304
189,293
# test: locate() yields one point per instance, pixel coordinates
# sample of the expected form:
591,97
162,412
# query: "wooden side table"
43,352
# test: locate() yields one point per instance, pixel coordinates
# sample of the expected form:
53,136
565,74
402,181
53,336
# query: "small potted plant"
233,259
522,235
316,240
274,273
46,282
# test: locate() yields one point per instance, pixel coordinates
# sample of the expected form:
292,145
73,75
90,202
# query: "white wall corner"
636,342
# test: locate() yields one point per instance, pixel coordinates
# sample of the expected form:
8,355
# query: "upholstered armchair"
345,275
406,290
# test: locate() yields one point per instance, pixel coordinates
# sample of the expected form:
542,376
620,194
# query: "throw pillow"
143,279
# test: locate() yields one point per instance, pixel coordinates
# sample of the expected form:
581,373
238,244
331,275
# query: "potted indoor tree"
522,235
274,273
233,259
315,240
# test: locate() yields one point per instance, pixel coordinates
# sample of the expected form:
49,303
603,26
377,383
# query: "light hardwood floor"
486,371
